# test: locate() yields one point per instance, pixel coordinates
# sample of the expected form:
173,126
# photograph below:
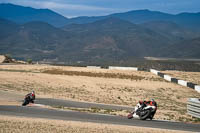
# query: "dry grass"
77,71
76,85
193,77
92,74
32,125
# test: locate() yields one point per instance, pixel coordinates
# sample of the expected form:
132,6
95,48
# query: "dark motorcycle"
29,98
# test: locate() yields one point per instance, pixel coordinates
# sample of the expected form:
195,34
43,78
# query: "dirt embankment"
2,58
8,59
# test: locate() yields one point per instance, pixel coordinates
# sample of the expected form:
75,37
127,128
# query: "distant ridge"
187,20
21,14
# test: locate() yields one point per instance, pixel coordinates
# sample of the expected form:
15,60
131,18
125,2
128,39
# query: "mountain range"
21,15
41,34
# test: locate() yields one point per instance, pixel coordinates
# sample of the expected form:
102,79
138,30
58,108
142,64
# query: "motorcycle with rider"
29,98
144,110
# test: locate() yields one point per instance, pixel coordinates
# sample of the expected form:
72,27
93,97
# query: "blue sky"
74,8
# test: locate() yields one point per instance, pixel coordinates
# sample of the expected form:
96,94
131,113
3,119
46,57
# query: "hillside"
35,40
170,30
118,37
7,28
21,15
108,39
188,20
184,49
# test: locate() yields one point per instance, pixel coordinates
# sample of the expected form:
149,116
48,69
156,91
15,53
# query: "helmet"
152,100
33,93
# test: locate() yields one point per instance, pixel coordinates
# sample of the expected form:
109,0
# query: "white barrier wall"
154,71
197,88
98,67
167,77
123,68
182,82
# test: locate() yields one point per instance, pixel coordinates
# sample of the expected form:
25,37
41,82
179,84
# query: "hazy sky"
73,8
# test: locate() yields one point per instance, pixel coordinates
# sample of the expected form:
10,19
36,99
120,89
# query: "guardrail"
193,107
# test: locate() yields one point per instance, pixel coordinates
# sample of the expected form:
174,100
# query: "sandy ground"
193,77
10,124
171,98
2,58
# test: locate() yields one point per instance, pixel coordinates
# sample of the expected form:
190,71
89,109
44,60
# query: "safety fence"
123,68
114,68
193,107
95,67
166,77
177,81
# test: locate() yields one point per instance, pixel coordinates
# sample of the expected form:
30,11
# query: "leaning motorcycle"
144,113
28,99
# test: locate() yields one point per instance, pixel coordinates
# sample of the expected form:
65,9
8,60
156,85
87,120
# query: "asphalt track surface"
38,112
76,104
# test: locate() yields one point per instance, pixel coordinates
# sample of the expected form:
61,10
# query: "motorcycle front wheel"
145,114
25,103
130,116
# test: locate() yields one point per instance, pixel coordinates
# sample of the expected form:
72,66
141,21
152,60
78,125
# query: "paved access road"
97,118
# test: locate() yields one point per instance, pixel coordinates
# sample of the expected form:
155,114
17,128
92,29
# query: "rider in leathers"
31,96
146,103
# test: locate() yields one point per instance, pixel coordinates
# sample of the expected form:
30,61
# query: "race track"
77,104
88,117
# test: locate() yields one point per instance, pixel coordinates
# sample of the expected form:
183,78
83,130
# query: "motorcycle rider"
31,96
139,107
151,102
146,103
